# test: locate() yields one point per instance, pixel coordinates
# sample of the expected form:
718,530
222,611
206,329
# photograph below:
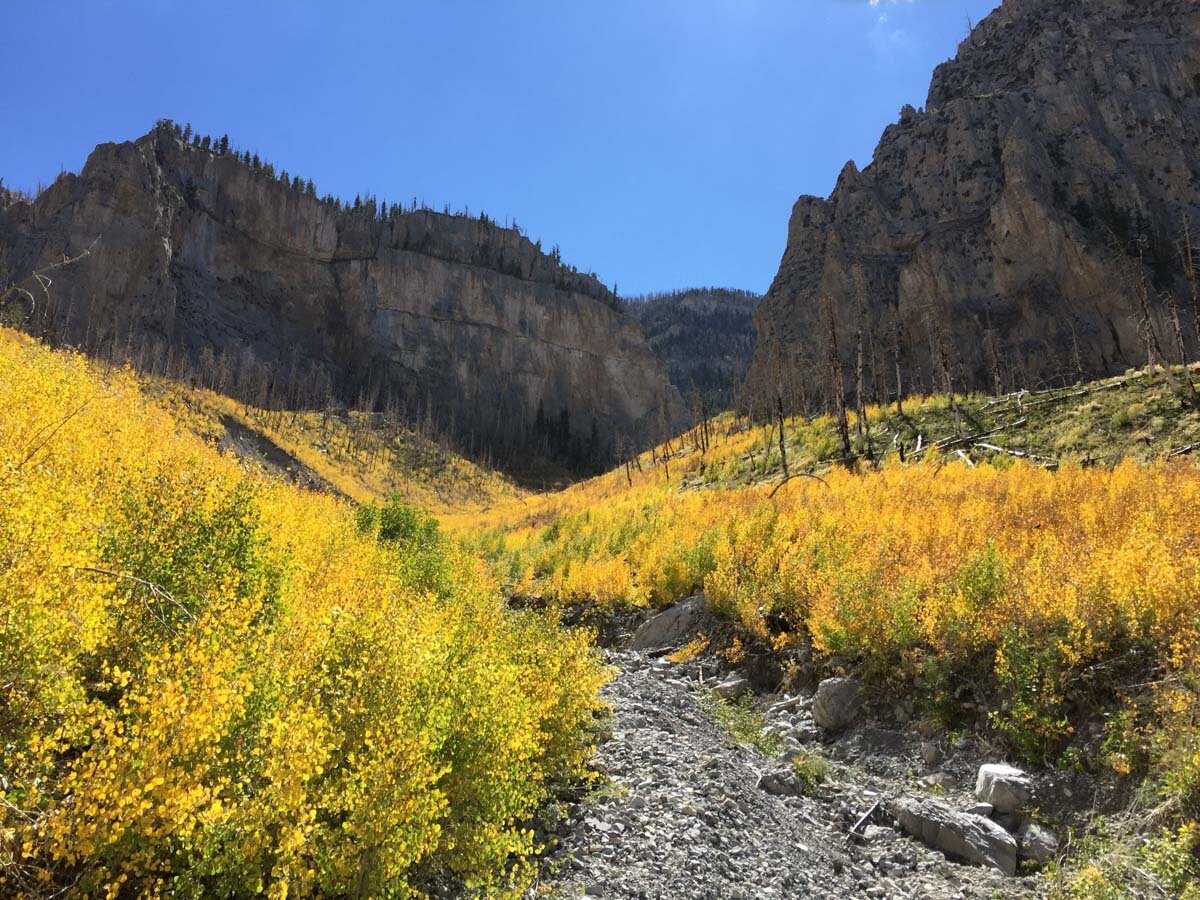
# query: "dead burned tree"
779,409
1187,253
15,292
897,354
860,412
833,374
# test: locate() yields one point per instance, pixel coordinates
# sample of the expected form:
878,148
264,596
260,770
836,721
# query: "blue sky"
660,143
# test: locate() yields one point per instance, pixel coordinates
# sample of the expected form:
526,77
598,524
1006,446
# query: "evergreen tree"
205,142
187,132
224,145
255,162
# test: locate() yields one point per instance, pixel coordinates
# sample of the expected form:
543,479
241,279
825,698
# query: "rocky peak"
1000,233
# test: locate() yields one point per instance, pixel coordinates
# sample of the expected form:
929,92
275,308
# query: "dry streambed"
685,810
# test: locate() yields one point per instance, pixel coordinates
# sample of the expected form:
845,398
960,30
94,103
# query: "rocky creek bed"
682,809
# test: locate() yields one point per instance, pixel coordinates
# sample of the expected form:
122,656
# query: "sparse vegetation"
812,770
744,720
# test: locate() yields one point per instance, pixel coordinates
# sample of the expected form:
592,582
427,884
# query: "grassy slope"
1134,416
350,453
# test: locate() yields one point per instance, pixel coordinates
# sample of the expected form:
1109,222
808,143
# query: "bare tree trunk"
860,408
782,442
837,385
896,354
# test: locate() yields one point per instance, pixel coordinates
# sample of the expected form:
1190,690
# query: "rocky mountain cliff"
1002,236
704,336
199,260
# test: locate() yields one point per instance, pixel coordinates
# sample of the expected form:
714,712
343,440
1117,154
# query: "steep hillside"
1019,229
1016,574
197,254
214,683
704,336
364,457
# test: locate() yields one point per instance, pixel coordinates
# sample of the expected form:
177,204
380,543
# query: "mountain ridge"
1001,236
309,300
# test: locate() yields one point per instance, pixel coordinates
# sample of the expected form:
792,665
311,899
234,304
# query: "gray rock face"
444,317
1037,842
672,627
981,233
837,703
960,835
1005,788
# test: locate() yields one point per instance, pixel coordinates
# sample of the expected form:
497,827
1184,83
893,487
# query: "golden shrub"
216,685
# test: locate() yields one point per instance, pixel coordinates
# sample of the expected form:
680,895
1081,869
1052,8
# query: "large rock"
963,836
451,318
1037,842
982,231
1005,788
672,627
837,703
782,783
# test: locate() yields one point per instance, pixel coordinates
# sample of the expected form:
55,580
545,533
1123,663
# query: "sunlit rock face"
999,233
296,301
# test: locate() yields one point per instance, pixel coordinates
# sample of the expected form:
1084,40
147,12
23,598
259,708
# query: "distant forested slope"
704,336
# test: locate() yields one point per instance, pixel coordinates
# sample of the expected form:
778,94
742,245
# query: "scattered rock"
683,798
732,687
1006,788
1037,842
781,783
959,835
837,703
943,780
673,626
931,754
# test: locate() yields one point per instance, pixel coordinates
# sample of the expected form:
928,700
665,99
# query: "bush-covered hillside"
215,683
1020,566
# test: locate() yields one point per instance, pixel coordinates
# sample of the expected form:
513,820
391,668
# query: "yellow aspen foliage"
925,574
214,684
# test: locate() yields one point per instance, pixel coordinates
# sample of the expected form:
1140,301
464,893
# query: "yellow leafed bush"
216,685
1012,577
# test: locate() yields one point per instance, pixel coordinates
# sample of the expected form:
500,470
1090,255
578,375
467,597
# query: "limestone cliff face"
999,232
283,295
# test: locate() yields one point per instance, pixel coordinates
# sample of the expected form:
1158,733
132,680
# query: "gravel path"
682,814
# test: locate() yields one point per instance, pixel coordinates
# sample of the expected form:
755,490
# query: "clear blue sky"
659,142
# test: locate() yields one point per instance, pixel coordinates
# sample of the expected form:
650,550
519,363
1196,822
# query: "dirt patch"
255,447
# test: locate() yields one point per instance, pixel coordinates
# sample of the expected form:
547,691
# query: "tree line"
369,208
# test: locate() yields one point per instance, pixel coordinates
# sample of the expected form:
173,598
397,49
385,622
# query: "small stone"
943,780
837,703
781,783
732,687
982,809
1006,788
1037,842
931,754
